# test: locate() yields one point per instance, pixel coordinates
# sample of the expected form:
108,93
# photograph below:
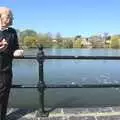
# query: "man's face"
6,20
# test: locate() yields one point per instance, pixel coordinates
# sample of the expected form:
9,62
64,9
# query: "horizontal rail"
70,86
84,57
26,57
72,57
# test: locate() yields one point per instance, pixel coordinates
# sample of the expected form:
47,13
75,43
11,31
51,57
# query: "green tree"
77,42
115,42
30,41
45,39
67,44
48,38
27,32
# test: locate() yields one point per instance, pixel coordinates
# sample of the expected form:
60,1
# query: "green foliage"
77,43
30,41
27,32
45,40
115,42
67,44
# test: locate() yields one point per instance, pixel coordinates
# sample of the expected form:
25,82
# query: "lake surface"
67,72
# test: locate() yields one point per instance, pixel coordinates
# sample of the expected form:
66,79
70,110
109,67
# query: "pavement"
96,113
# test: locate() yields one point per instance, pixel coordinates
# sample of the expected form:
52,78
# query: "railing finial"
40,47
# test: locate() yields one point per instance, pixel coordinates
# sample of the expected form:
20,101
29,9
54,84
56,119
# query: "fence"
41,86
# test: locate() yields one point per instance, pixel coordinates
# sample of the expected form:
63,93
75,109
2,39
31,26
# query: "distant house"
86,43
107,41
54,41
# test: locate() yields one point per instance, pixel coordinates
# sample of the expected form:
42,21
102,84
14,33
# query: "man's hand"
3,45
18,53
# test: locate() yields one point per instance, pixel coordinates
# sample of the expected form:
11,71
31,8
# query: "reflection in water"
90,97
25,72
68,72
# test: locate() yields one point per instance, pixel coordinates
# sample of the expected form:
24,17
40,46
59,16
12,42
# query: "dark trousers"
5,85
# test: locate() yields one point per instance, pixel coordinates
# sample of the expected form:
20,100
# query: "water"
67,72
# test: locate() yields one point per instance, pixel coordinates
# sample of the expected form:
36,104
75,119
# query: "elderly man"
9,47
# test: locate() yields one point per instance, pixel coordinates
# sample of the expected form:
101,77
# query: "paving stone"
94,109
109,118
116,109
28,114
81,118
105,109
46,118
75,110
58,118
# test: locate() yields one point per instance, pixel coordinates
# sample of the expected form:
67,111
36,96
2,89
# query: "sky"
69,17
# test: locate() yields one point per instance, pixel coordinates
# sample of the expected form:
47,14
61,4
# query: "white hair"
6,11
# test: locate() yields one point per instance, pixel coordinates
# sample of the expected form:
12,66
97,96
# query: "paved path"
106,113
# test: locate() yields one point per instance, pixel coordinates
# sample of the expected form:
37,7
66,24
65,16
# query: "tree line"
31,39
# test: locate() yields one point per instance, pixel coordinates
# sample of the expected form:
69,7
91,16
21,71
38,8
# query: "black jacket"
6,56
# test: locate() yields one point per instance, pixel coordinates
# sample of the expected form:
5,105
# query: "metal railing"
42,85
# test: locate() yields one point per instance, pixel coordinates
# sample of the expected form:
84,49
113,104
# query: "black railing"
41,83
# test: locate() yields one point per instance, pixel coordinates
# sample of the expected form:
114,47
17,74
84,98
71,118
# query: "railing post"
41,83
